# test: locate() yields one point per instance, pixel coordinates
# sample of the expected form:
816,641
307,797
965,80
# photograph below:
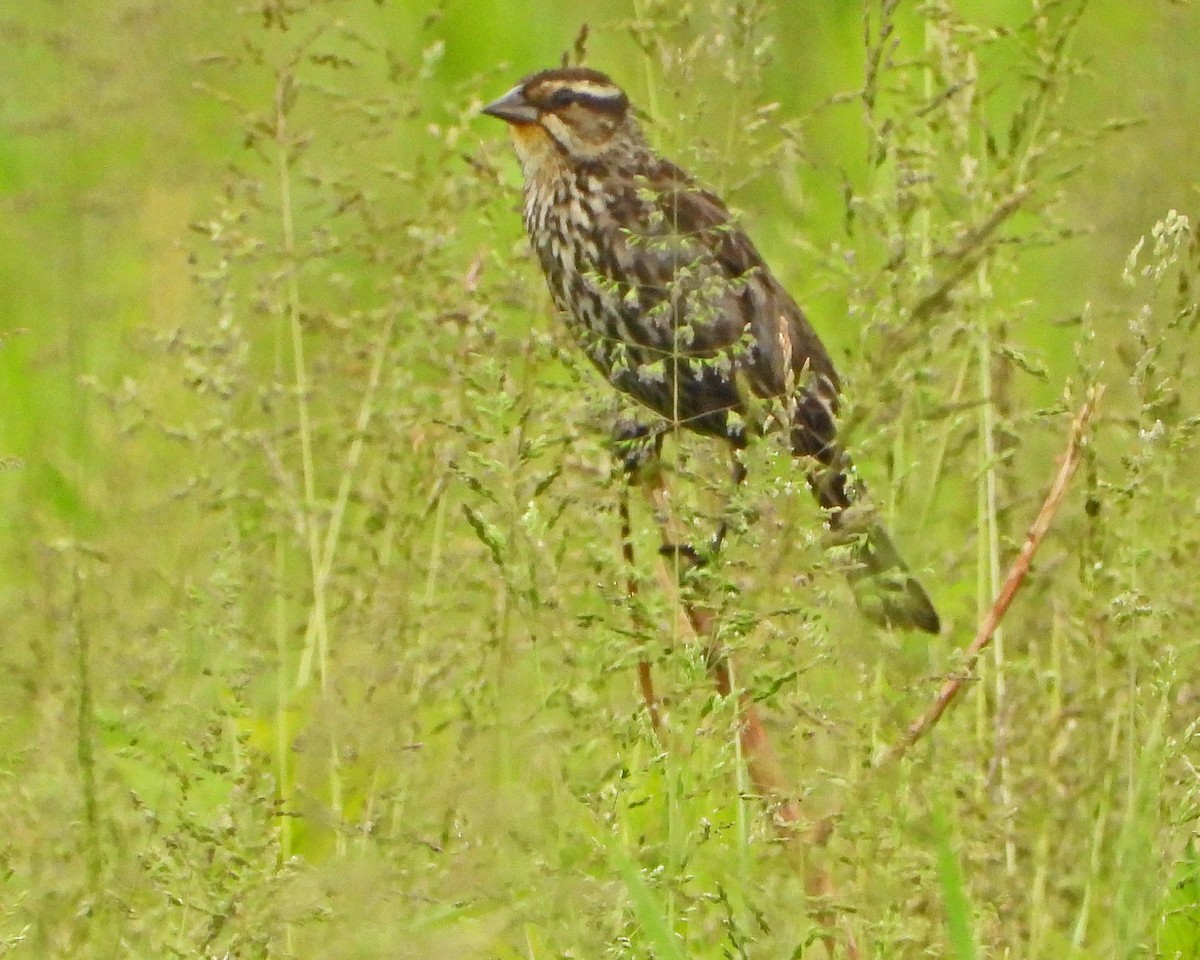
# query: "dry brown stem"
765,770
762,762
766,773
645,676
1012,583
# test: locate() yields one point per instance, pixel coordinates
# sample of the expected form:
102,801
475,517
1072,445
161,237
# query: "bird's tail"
885,591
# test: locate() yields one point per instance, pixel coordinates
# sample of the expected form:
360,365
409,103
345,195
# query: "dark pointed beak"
512,108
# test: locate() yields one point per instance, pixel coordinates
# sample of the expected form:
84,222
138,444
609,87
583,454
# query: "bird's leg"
645,677
637,449
687,556
738,475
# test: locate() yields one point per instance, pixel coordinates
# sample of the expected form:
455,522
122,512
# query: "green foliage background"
317,640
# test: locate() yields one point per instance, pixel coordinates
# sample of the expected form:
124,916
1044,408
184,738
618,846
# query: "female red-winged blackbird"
674,305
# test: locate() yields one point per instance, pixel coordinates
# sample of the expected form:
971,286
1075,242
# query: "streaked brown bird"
675,306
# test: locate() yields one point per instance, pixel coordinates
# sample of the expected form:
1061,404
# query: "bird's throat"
539,155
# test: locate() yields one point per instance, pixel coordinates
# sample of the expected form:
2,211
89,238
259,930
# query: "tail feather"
885,591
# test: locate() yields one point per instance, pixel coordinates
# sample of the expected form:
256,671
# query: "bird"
673,304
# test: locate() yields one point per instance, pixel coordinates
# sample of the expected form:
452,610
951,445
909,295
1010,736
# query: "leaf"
647,909
488,535
1031,365
649,912
954,893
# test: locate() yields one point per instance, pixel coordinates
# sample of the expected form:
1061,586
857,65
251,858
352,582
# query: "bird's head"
571,114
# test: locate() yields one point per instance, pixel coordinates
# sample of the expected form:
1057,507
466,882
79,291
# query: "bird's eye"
564,97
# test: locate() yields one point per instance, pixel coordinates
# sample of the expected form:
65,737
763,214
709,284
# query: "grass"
320,642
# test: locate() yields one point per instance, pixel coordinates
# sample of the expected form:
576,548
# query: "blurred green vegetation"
317,637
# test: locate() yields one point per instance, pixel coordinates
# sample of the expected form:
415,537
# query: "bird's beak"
512,108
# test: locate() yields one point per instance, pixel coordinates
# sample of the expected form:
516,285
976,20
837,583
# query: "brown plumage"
675,306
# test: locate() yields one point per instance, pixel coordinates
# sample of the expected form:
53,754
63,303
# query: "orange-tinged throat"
529,135
536,150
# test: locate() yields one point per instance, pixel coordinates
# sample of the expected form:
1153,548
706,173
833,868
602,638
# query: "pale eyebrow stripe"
604,91
587,88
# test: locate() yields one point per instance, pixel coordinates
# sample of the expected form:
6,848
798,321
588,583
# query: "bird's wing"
698,217
703,289
790,350
681,261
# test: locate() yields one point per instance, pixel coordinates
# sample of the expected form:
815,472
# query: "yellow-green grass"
318,642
